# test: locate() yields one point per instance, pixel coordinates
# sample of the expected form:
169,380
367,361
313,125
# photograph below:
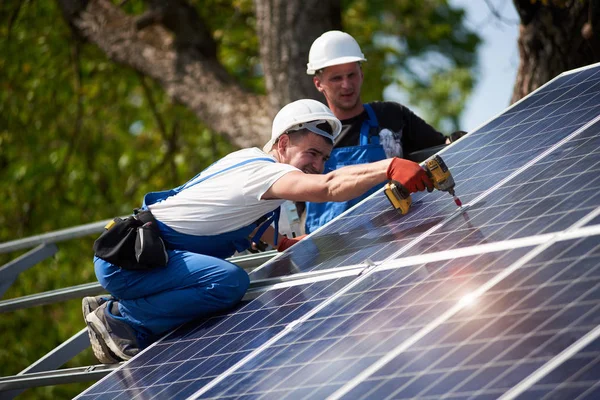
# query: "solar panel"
501,298
351,333
513,330
196,353
503,149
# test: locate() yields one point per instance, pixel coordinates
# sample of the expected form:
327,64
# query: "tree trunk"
286,30
552,39
171,44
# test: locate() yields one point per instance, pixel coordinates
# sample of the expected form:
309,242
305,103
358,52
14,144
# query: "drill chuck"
440,175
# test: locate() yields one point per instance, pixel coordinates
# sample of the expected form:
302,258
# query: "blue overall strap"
154,197
365,128
194,244
191,182
273,218
274,215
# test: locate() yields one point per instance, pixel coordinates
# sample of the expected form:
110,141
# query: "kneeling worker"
221,210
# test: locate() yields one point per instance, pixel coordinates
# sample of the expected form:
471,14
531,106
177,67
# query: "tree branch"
186,74
498,15
184,22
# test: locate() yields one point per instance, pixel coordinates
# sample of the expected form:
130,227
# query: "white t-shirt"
227,201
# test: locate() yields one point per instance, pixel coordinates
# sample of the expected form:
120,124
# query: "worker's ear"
283,143
317,82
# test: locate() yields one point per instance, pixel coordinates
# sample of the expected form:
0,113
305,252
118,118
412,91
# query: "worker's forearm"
350,182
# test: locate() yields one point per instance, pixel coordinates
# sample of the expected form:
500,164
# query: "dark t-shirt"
400,130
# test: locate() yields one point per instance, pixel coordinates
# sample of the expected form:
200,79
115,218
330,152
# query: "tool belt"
133,243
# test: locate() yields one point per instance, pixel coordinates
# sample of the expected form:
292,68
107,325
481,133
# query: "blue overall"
196,280
369,150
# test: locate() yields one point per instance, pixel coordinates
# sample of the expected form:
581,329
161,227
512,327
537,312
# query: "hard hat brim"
312,69
269,146
336,127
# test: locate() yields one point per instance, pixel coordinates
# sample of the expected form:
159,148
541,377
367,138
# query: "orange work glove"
286,243
409,174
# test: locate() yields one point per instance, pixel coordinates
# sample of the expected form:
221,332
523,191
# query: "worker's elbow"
330,189
323,189
322,194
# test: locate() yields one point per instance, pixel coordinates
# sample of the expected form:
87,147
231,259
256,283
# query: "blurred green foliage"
422,48
82,138
79,143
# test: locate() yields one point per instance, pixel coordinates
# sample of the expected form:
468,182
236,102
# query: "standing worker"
371,131
223,209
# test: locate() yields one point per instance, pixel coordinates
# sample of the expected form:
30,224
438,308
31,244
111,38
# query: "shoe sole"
101,351
97,326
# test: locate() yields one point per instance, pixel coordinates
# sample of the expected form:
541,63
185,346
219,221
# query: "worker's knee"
242,282
233,284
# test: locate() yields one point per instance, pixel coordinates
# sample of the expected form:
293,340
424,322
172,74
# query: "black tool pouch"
132,243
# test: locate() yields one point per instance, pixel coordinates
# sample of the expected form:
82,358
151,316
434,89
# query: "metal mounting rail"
56,377
53,237
51,297
247,262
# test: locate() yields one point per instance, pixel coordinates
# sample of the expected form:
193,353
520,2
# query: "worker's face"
341,85
307,153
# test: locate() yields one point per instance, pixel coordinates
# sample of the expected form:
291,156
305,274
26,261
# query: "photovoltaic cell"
478,162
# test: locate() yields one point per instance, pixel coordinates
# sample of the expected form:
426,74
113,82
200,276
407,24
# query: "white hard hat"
304,114
333,48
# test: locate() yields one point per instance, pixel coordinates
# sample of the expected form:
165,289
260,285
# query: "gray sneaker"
90,303
99,347
120,338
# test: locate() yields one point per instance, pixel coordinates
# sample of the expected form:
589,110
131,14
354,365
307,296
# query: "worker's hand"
286,243
456,135
409,174
257,247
